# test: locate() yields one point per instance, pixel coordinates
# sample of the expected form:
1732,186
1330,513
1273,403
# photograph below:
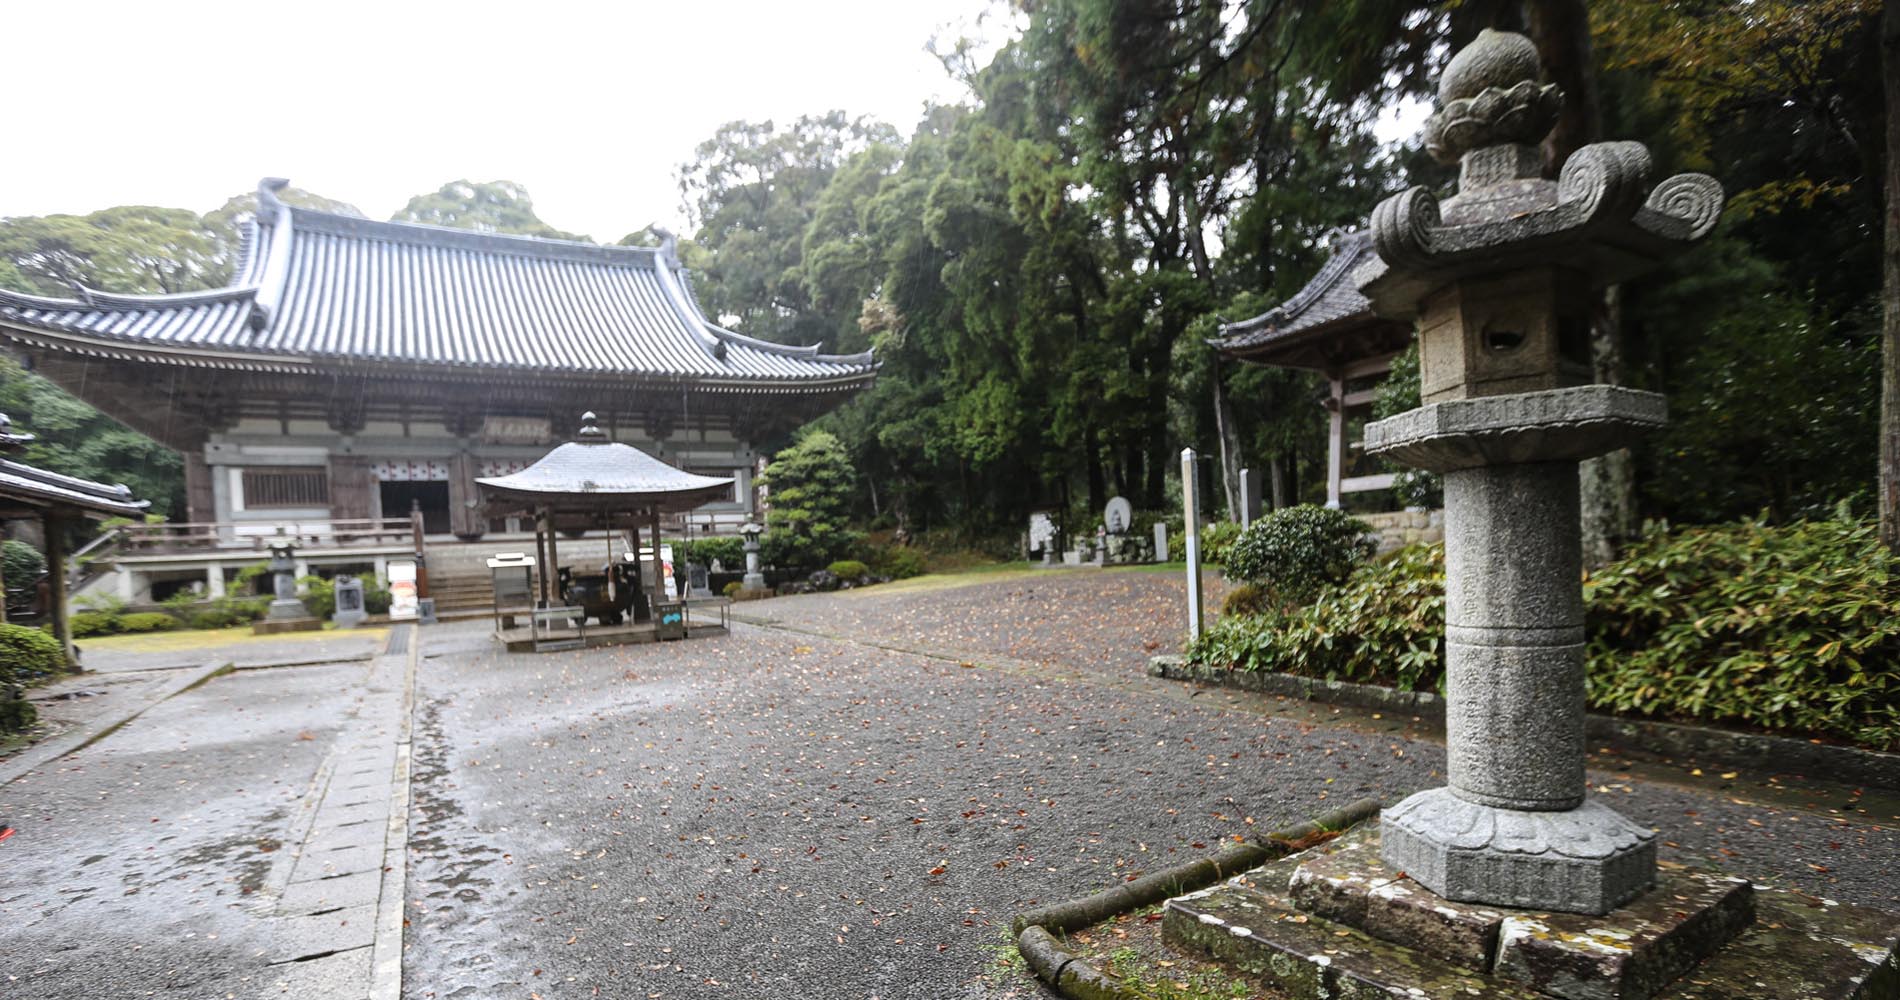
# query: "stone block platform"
1334,921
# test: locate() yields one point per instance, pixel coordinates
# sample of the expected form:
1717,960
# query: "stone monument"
1500,279
350,611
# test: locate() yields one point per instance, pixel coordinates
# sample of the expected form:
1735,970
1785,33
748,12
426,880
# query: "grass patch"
171,642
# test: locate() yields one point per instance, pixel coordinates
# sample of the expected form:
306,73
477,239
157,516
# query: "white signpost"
1191,530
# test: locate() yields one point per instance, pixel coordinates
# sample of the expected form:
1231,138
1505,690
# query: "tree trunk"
1276,468
1561,31
1098,485
1229,444
1888,493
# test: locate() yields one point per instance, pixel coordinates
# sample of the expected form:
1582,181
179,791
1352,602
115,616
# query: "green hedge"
148,621
849,569
1297,552
27,654
1792,629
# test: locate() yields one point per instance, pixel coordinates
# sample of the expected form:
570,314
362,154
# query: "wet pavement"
783,813
191,851
853,810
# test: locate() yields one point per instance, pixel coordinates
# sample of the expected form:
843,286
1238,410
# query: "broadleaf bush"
1298,551
27,654
1385,625
1792,629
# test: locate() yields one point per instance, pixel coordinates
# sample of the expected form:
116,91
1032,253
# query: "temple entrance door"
434,497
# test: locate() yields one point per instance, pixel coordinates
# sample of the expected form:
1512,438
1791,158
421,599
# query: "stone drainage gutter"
1840,764
1076,979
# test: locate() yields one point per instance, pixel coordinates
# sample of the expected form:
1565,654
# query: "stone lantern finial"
590,432
1492,95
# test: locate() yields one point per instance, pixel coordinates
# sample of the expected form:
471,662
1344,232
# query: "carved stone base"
286,610
1584,860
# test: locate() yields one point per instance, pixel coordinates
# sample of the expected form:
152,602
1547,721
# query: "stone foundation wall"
1405,527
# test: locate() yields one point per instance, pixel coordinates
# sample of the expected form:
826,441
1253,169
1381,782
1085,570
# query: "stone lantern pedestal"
1513,827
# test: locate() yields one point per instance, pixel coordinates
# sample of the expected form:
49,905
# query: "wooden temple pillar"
465,515
659,570
351,488
201,504
1335,436
55,530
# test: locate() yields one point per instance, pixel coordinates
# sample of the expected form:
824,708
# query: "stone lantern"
285,605
754,577
1500,280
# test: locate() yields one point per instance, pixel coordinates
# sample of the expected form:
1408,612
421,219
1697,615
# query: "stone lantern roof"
1602,218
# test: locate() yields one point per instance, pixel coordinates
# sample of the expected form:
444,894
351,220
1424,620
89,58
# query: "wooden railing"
183,537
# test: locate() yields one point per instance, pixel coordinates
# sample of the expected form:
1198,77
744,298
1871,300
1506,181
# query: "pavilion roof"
317,291
1325,325
33,487
592,473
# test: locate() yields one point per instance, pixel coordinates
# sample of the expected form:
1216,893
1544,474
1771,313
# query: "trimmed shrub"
376,598
900,562
16,714
1217,540
91,623
732,588
849,569
27,654
730,552
318,594
1246,599
147,621
1298,551
20,563
229,610
1793,628
1386,625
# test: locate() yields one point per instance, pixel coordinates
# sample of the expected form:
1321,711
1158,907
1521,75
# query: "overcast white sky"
592,106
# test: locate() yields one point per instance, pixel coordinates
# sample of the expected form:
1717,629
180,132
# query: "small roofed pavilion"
1329,328
56,501
593,483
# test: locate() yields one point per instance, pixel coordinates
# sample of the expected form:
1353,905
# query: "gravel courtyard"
781,813
848,800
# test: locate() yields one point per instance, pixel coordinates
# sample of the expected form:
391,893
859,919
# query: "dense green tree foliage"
1039,268
491,207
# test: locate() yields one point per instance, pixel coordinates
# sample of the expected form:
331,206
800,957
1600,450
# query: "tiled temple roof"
316,290
1326,321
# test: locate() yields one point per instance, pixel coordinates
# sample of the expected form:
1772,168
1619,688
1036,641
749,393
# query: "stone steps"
1332,922
1262,934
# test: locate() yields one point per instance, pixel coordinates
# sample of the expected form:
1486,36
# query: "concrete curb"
386,952
1076,979
1840,764
41,754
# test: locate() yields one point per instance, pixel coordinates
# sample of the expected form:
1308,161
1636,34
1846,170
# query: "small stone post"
1191,529
1161,541
1500,280
1249,497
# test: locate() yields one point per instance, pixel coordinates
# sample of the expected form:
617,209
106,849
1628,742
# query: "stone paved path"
230,841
